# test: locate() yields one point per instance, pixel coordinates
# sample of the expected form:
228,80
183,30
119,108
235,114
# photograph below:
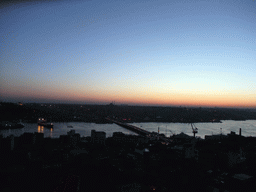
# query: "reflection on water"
51,130
40,129
84,129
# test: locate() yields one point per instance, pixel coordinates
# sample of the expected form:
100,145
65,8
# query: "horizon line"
135,105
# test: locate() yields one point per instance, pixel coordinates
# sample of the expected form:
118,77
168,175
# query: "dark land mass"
97,113
32,162
123,163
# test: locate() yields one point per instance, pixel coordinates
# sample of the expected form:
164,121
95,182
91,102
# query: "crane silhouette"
194,129
172,133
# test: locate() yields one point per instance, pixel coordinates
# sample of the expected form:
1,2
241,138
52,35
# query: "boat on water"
43,122
11,125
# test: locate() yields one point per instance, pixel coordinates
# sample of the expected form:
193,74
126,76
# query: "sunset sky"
174,52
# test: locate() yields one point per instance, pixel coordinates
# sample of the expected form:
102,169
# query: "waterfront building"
38,137
72,138
98,137
28,138
182,138
64,139
7,144
71,132
121,137
11,140
190,151
118,134
215,137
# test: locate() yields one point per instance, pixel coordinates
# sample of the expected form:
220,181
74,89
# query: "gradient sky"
178,52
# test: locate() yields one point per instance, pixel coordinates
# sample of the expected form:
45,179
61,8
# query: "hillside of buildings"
127,163
97,113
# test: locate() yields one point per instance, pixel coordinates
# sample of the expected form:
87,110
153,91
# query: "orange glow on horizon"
176,99
218,99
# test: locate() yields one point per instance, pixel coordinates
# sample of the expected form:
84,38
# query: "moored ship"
43,122
11,125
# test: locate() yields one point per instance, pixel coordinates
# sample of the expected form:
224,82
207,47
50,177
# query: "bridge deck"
130,127
137,130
